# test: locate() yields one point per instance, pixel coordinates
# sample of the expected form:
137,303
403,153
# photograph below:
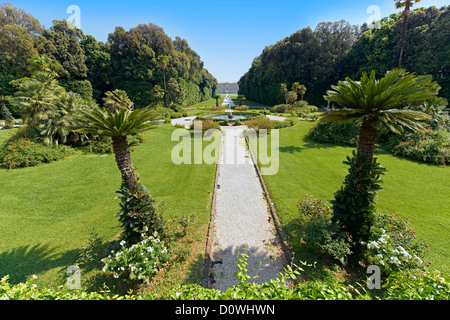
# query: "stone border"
282,237
210,236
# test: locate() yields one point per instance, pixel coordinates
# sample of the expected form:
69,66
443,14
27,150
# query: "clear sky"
227,34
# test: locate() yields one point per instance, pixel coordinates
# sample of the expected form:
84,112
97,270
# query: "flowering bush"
393,246
142,260
430,146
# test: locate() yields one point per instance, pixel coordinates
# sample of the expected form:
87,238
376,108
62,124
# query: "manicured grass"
48,211
416,191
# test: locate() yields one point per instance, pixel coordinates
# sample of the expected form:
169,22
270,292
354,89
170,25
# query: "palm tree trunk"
406,13
123,159
166,96
366,142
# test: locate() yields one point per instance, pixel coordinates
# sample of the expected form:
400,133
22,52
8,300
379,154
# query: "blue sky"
227,34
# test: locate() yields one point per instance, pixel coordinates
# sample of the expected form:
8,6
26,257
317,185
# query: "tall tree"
63,45
162,61
407,4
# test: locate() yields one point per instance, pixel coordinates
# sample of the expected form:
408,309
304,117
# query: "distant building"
231,87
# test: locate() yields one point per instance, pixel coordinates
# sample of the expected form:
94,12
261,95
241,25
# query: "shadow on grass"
324,268
22,262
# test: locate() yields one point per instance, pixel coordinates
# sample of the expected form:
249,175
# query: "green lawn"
48,211
417,191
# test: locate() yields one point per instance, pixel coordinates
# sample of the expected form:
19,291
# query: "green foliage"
260,123
206,124
432,146
138,214
92,250
139,261
103,144
399,286
6,114
81,87
319,232
354,203
339,134
25,152
121,123
320,57
283,124
281,108
302,109
429,285
62,43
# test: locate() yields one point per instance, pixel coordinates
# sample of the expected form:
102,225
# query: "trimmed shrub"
354,203
284,124
260,123
206,124
25,152
281,108
338,134
138,214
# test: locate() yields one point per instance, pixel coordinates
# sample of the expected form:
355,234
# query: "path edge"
281,235
210,235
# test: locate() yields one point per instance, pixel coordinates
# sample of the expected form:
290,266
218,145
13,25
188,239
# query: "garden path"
242,223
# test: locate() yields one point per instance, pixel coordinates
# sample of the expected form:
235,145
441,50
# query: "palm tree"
405,16
302,89
375,104
116,100
43,63
162,61
217,97
117,125
36,97
158,92
378,104
291,97
55,129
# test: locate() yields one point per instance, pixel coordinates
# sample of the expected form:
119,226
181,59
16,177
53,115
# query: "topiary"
138,214
354,203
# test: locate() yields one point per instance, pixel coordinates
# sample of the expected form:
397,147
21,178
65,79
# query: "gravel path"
243,222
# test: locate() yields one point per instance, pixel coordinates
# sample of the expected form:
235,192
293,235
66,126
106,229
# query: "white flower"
416,259
373,245
150,249
395,260
122,242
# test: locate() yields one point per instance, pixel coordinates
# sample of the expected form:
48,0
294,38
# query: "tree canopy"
334,50
127,61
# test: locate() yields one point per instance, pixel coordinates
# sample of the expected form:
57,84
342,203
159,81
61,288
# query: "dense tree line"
333,50
127,61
